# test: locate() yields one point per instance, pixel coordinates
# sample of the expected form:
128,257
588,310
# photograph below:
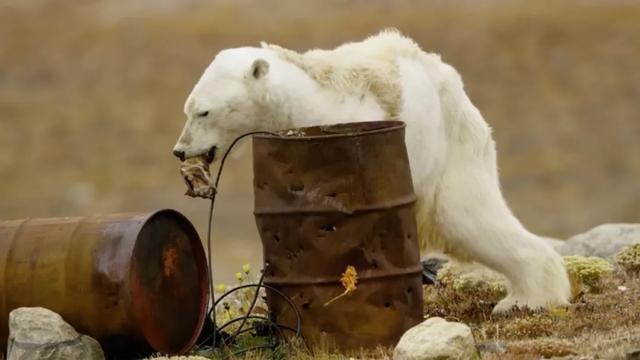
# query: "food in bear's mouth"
195,172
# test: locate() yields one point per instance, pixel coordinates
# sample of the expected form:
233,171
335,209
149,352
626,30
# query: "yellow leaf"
349,281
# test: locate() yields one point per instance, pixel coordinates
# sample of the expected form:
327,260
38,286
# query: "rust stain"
169,260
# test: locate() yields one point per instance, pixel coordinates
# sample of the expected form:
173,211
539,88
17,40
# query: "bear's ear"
259,68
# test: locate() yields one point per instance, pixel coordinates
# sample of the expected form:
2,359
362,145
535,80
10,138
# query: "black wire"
212,311
253,301
280,326
246,317
271,346
278,292
209,227
213,295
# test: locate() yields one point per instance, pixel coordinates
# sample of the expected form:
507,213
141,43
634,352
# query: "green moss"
470,284
629,259
587,271
470,280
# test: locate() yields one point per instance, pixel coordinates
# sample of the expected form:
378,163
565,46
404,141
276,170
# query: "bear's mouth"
211,154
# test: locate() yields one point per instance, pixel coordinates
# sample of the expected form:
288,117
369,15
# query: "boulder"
38,333
436,338
603,241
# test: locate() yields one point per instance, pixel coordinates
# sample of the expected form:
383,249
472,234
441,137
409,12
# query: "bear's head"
227,101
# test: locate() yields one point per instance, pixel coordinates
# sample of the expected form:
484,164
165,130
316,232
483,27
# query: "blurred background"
92,91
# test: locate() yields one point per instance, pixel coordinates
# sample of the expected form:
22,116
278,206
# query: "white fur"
460,208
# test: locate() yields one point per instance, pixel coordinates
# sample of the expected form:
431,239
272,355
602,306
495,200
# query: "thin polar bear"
460,208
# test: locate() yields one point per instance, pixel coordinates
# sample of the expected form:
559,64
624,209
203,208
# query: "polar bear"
460,209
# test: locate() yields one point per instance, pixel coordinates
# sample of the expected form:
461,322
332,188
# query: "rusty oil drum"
131,281
328,197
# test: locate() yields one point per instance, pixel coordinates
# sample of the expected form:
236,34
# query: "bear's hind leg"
474,220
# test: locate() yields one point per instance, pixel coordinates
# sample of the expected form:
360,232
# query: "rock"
436,338
38,333
603,241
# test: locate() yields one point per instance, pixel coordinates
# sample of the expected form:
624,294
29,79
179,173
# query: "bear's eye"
203,114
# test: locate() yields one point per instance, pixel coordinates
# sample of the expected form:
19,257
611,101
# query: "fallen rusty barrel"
327,197
134,282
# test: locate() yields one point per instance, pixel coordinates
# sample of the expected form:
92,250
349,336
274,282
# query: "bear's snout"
179,154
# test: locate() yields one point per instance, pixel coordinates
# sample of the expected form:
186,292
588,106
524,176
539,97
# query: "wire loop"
217,331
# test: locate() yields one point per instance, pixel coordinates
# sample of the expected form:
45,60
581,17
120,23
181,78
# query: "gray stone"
436,338
603,241
38,333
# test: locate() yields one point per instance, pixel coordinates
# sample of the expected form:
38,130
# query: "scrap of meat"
196,174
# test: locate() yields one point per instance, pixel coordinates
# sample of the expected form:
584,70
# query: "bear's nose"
179,154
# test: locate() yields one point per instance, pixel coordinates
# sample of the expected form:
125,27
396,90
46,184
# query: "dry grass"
602,324
296,351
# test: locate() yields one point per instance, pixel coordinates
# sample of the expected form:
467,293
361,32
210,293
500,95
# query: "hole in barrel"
328,228
296,187
306,305
387,304
332,194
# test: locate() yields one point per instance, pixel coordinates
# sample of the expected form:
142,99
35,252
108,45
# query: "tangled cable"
268,326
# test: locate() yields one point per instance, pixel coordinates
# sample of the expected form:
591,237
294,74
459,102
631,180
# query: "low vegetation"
629,259
586,273
602,321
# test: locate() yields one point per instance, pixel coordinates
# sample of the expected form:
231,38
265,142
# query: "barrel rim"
388,126
205,298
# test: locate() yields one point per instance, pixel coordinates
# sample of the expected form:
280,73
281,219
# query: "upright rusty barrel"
132,281
327,197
